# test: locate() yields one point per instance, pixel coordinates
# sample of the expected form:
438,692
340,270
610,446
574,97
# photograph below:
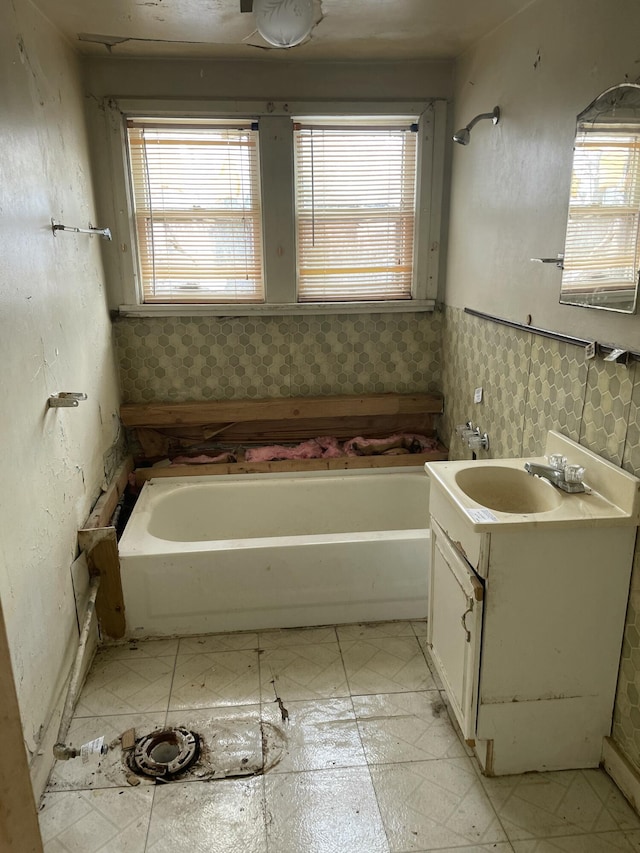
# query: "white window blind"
196,194
602,248
355,184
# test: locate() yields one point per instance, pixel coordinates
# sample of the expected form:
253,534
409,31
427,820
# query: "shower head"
463,136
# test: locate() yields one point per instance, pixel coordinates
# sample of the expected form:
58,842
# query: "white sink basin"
492,493
508,489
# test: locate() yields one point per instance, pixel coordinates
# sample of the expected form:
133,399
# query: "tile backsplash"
205,358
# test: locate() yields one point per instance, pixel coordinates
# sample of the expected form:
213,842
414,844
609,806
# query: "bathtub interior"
291,506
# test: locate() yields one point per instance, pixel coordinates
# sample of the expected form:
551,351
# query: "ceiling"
344,29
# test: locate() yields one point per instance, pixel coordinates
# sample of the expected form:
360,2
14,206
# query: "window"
355,208
238,208
197,210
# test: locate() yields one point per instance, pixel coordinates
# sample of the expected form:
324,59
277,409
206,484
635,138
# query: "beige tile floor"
371,761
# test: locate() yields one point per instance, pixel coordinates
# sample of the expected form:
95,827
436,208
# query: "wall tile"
478,353
606,409
192,358
631,455
556,393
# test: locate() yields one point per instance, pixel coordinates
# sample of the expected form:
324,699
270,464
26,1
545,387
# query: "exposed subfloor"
364,757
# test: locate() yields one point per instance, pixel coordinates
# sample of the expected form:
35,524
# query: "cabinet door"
455,628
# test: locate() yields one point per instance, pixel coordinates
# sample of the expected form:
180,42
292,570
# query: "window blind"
602,247
196,197
355,185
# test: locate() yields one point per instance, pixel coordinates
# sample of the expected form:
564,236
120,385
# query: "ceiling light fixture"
284,23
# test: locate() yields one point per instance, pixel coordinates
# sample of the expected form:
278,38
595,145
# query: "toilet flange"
165,753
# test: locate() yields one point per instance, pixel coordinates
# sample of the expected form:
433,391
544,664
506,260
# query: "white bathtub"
245,552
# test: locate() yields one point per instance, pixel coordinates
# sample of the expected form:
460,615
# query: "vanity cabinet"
526,618
455,627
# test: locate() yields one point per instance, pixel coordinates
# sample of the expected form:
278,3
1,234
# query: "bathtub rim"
136,539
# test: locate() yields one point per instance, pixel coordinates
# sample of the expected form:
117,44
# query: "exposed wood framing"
282,431
290,466
106,504
101,547
276,409
99,542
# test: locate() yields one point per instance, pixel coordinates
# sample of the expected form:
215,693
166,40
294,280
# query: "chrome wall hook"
65,399
558,261
101,232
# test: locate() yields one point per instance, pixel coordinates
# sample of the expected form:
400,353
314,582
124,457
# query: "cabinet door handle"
464,623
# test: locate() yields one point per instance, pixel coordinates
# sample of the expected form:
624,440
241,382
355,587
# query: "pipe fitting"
62,752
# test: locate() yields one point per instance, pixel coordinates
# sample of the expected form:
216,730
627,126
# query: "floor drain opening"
165,754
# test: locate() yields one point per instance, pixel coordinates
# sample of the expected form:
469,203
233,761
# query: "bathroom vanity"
528,594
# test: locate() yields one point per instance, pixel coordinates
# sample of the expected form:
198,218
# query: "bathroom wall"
55,335
509,202
208,358
181,358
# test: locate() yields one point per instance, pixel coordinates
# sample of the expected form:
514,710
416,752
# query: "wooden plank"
277,432
292,465
101,547
279,408
19,831
106,504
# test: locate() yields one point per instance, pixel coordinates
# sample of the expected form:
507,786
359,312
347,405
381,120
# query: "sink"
507,489
515,500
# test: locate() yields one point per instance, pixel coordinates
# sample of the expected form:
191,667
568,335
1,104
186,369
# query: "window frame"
276,146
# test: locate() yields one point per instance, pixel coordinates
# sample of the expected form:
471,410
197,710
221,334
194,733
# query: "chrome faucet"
558,473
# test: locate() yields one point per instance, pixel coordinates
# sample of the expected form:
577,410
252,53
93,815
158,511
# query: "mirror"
601,256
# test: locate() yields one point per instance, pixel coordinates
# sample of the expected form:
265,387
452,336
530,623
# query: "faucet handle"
557,461
574,473
464,430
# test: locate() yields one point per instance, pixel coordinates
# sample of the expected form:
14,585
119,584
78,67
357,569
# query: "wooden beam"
106,504
291,465
101,547
19,830
279,408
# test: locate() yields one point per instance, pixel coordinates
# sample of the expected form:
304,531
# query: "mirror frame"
617,108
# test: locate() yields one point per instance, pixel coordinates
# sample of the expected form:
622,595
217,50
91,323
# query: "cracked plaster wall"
55,335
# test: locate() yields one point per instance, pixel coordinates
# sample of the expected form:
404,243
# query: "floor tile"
106,771
386,665
302,672
226,816
397,727
110,820
287,637
606,842
327,811
373,630
570,802
430,805
216,679
634,839
231,741
126,686
420,628
319,735
217,643
138,649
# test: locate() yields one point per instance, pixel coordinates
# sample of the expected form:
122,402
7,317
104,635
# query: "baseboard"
623,773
